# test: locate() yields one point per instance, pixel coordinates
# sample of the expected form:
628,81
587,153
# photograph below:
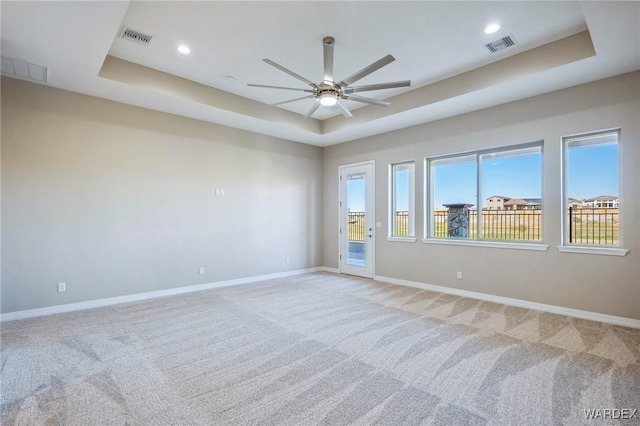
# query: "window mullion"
394,205
412,202
478,198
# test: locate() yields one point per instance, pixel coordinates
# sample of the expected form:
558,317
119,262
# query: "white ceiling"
433,42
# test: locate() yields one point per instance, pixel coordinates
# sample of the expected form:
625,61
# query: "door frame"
372,163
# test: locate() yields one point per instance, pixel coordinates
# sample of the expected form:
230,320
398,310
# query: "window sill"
402,239
593,250
491,244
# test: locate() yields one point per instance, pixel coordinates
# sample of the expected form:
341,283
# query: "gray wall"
116,200
604,284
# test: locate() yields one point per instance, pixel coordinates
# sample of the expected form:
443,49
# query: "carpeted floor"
316,349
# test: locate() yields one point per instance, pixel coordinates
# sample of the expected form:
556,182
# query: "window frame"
565,246
411,203
428,216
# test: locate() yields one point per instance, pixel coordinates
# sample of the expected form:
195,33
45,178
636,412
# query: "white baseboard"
98,303
71,307
577,313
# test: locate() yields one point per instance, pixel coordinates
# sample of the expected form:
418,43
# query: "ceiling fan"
329,93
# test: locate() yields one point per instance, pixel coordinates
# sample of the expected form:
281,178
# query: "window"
461,187
401,190
591,189
453,183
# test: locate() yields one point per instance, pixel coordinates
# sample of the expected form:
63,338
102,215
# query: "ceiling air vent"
135,36
503,43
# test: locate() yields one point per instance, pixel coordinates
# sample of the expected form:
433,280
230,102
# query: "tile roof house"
602,201
496,202
523,204
574,203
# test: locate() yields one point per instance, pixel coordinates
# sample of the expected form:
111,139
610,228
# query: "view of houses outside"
591,168
593,220
496,174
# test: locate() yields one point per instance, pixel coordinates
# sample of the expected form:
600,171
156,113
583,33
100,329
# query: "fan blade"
312,110
379,86
291,73
327,45
343,109
367,70
292,100
367,100
279,87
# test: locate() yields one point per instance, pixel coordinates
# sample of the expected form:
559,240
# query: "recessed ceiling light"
492,28
184,49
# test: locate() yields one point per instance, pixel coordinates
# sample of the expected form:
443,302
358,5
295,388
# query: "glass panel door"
356,220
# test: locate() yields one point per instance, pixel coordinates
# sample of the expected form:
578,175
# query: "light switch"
378,225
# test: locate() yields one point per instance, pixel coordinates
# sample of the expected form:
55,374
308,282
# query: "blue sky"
355,189
514,177
591,171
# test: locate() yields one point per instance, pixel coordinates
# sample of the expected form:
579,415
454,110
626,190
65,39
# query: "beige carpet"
316,349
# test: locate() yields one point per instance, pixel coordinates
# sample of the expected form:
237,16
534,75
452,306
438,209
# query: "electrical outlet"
286,260
62,287
459,275
201,270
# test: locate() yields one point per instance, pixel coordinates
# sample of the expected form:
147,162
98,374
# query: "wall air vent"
135,36
501,44
18,68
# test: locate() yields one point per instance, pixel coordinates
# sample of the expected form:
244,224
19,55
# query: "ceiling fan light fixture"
328,99
329,93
